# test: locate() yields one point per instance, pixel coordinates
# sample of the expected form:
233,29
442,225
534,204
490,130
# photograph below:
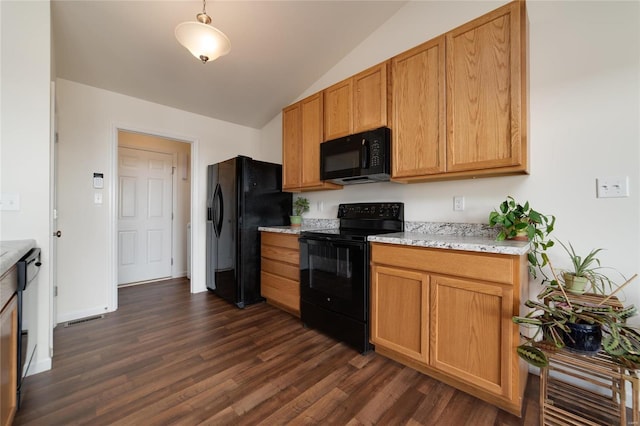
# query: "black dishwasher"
28,268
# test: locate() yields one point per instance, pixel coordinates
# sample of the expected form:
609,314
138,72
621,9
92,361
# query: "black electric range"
334,271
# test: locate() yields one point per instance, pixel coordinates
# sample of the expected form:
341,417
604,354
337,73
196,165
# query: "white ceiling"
278,50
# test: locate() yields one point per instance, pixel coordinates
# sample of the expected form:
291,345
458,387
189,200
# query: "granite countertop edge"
443,235
473,243
11,251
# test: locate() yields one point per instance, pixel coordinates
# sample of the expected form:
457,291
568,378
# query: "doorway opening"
153,198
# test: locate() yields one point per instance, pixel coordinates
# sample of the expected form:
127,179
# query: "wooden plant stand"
587,390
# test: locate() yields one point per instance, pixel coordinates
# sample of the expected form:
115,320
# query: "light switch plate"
612,187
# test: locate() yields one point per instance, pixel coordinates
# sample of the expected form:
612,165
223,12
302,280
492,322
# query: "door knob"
57,234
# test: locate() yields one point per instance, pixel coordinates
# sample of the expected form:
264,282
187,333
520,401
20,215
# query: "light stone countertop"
443,235
11,251
281,229
475,243
307,225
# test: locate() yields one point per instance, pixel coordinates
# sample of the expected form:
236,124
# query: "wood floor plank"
168,357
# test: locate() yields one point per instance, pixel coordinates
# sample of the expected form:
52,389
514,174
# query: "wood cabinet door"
471,331
292,147
418,102
311,116
370,98
8,361
400,311
486,90
338,120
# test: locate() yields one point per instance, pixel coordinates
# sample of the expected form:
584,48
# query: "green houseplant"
585,271
300,206
563,320
520,221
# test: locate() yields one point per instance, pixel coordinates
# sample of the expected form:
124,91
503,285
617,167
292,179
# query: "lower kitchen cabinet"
400,311
280,271
447,313
8,361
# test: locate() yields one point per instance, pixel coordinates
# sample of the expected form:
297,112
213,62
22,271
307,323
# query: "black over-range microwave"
359,158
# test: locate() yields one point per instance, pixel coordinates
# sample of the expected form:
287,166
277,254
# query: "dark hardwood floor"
171,357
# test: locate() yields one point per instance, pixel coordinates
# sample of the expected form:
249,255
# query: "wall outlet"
458,203
612,187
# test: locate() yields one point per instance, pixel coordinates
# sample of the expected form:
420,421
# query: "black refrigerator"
242,194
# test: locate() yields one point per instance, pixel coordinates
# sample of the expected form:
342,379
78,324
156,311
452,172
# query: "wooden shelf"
587,390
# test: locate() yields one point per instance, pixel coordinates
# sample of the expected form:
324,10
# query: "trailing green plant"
300,206
515,220
554,310
589,267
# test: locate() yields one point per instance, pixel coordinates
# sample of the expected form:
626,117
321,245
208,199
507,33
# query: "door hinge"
55,291
172,261
55,138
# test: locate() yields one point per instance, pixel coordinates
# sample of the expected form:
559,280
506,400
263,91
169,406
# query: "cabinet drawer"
281,254
285,270
281,290
281,240
498,268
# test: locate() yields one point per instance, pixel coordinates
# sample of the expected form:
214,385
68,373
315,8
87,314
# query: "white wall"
584,111
181,190
24,155
88,119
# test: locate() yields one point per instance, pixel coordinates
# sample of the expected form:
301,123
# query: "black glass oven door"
333,275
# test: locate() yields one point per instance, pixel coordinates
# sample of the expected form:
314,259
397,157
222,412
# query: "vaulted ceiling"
278,49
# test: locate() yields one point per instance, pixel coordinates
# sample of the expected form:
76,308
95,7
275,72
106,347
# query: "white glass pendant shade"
203,41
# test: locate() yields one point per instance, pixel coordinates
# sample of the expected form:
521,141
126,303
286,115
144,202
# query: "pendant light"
205,42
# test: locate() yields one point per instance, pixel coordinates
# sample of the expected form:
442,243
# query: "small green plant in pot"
520,221
300,206
585,272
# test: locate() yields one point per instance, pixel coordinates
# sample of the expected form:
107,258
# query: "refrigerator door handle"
215,209
220,209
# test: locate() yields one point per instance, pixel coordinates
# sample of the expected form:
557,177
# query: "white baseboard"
72,316
39,366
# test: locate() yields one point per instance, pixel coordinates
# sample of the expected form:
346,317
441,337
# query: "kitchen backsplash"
433,228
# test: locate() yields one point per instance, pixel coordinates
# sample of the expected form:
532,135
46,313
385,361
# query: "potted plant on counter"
521,222
300,206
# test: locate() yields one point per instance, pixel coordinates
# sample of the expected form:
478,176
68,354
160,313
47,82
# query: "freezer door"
212,241
225,224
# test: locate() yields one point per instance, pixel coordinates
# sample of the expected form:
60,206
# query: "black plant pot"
584,339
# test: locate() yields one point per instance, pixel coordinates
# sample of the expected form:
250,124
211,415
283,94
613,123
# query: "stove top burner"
359,220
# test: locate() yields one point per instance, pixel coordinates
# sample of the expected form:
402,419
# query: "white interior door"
53,226
144,215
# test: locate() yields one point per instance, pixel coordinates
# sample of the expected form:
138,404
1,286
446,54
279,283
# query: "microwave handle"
364,154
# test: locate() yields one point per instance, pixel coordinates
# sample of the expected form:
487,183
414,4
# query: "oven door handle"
329,241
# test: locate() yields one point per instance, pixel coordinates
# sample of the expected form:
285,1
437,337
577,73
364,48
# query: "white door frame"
113,195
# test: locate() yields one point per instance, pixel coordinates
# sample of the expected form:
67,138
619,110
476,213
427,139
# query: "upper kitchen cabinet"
460,101
301,138
419,139
486,62
357,104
